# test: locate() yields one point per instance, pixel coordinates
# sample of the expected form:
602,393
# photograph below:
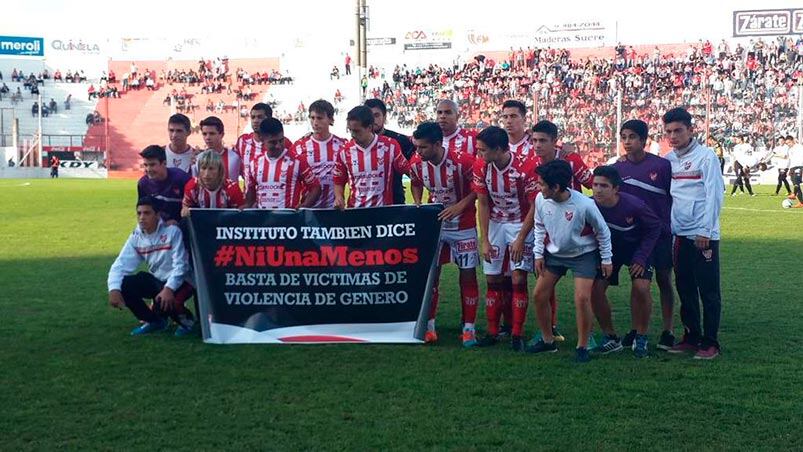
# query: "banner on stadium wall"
428,39
767,22
313,275
22,46
389,41
75,46
78,164
569,34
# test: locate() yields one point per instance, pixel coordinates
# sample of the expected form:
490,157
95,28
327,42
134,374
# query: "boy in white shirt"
578,239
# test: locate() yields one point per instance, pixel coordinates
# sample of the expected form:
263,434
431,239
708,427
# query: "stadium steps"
139,118
57,126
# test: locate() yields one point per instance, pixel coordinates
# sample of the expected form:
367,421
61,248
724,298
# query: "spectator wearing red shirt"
54,167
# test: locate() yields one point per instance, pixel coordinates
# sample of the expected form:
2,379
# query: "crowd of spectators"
751,89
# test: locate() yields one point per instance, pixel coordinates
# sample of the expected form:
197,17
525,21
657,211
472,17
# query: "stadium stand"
749,90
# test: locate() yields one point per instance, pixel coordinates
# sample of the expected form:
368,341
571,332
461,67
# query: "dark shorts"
661,257
624,258
582,266
796,174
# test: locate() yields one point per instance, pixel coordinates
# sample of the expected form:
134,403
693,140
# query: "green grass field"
71,377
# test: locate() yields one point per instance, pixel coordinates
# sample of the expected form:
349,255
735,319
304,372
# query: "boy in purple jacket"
649,177
634,231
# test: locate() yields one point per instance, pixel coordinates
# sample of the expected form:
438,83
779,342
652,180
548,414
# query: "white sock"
431,325
468,326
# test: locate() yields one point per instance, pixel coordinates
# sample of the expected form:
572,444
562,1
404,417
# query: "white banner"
568,34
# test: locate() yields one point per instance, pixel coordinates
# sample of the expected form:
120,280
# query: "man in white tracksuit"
167,281
697,193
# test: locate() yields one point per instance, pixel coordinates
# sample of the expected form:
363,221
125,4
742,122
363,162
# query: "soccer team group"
648,213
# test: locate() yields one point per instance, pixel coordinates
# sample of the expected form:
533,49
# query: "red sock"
469,293
433,307
493,307
507,301
519,308
553,304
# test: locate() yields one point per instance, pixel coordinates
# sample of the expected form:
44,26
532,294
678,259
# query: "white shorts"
459,247
501,235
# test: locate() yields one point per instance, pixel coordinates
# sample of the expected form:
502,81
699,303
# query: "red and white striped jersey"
510,190
369,171
462,141
246,146
279,183
523,149
582,176
249,148
448,183
232,165
322,156
228,195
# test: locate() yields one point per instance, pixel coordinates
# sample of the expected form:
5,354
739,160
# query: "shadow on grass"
72,377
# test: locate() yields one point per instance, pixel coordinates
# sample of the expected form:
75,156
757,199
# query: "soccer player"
210,188
165,185
455,138
178,152
697,191
578,240
742,160
780,157
505,189
167,281
649,177
321,149
250,145
212,133
634,231
514,118
367,164
277,178
379,112
544,138
795,169
447,176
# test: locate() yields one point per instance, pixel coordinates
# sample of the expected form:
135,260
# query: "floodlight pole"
362,44
38,160
106,132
